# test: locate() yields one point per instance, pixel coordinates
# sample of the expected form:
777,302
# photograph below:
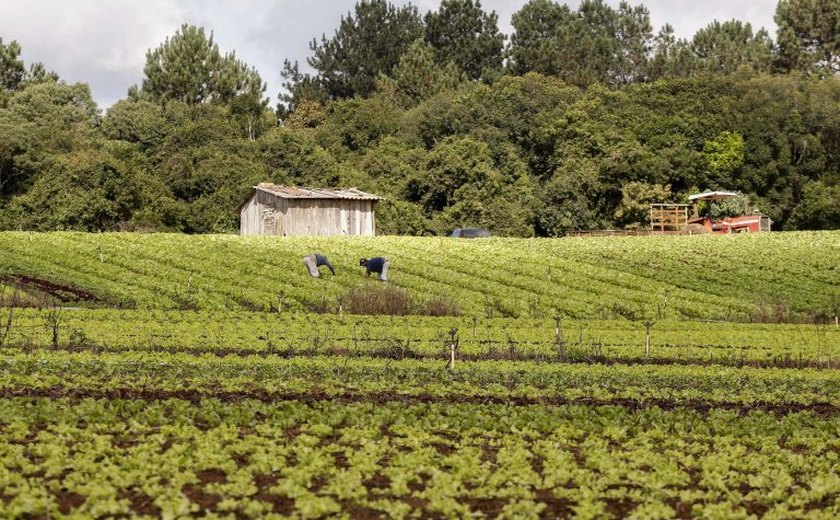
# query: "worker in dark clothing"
376,265
314,261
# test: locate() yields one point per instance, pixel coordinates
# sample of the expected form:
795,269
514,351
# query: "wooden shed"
291,210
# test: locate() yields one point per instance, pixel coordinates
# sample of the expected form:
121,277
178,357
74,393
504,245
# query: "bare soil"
61,292
823,409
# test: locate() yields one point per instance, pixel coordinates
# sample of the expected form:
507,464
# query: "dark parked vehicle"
470,233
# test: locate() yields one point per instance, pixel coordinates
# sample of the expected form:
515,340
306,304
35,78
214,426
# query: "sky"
104,42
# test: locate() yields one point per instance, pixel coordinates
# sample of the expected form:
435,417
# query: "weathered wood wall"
266,214
260,214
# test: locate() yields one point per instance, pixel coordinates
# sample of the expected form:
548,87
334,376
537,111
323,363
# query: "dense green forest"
577,120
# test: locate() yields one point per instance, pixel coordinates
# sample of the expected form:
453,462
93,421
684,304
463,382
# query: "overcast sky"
103,42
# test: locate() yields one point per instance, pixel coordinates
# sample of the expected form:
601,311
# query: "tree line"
578,120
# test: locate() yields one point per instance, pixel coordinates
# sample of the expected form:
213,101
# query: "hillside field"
183,376
785,276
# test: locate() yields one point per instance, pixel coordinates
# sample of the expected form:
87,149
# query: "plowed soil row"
63,293
824,409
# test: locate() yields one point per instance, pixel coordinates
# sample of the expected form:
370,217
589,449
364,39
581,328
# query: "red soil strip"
823,409
64,293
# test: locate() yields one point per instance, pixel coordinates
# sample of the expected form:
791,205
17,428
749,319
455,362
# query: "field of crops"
181,377
296,334
733,278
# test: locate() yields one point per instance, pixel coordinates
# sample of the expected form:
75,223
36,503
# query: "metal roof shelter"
746,223
272,209
297,192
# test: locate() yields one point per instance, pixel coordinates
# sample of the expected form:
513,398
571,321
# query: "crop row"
251,459
357,379
290,334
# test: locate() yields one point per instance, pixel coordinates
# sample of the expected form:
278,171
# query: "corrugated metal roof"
298,192
713,195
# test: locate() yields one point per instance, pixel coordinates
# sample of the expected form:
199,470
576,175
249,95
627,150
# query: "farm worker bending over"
314,261
376,265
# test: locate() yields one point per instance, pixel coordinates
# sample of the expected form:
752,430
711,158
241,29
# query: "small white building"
291,211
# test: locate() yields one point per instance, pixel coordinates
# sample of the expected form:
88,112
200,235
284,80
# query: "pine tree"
461,32
12,70
634,43
723,48
595,44
367,43
13,73
189,67
671,57
809,35
417,77
534,43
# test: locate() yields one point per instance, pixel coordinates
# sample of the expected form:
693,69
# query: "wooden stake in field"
558,338
648,325
280,301
453,344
